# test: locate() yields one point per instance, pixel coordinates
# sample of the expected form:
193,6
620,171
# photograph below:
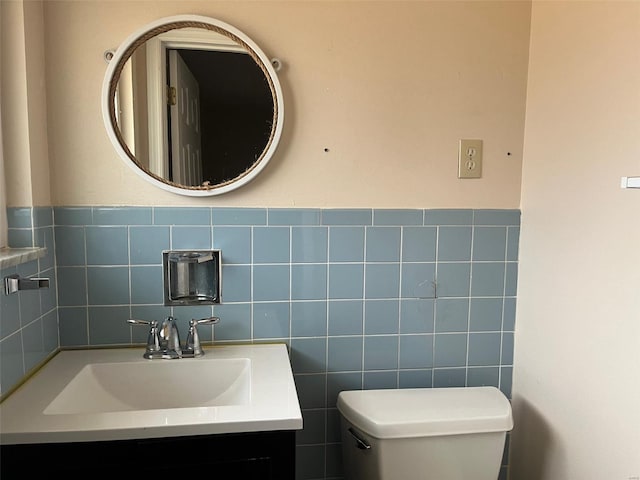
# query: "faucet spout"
169,338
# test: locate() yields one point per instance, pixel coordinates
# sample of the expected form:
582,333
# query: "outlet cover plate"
470,159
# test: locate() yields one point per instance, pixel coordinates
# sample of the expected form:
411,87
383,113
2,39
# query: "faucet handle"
204,321
192,346
153,349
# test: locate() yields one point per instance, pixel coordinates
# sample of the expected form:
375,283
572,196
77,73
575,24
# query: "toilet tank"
424,433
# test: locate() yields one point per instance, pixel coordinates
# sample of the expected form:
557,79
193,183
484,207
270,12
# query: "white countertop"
273,403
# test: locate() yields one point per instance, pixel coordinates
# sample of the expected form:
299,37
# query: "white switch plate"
470,159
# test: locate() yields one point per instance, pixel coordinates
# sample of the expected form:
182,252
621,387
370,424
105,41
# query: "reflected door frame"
157,85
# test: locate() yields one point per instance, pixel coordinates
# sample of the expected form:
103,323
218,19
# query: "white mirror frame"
121,56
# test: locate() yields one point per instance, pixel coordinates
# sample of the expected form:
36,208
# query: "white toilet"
424,433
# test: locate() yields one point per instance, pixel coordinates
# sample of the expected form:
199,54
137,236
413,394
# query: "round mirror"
192,105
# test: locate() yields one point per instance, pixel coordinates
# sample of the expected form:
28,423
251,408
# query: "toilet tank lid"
426,412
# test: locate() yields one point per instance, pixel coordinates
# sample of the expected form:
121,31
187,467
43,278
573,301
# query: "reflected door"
186,149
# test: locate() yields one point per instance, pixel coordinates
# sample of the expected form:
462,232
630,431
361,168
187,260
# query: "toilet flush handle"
360,443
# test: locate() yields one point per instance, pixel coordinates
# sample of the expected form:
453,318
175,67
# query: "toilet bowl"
424,433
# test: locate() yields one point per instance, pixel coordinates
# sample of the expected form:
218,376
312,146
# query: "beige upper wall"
24,104
387,87
577,349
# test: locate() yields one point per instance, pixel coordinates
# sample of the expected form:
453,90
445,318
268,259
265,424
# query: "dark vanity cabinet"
248,456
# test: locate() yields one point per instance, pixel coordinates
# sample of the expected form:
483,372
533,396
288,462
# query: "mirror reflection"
193,107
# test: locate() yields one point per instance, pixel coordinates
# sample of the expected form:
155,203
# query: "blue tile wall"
28,318
365,298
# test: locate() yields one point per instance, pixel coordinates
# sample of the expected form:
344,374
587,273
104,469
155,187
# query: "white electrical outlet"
470,159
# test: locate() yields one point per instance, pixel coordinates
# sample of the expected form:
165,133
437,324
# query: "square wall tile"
107,245
72,286
271,320
20,237
235,321
489,243
453,279
488,279
450,350
309,319
19,217
147,243
236,283
271,245
345,354
147,285
346,281
108,285
418,280
108,326
419,244
70,246
311,390
383,244
381,352
346,244
42,217
486,314
309,244
309,355
308,282
382,280
234,244
454,244
271,282
416,315
416,351
484,348
345,317
381,316
452,315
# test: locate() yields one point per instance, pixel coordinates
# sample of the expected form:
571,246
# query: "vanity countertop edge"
274,404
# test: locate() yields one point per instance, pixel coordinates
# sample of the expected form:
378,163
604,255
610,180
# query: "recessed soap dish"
191,277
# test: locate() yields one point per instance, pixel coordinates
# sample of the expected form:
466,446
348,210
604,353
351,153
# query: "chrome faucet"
164,341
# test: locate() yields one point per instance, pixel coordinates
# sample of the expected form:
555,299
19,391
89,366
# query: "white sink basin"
118,387
115,394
